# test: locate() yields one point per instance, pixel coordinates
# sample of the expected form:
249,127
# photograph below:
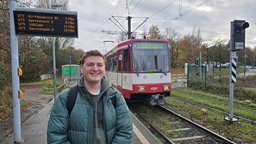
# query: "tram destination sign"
46,23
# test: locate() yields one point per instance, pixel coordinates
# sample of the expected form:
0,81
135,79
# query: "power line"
186,12
181,13
116,7
180,7
118,24
104,23
146,18
136,6
163,8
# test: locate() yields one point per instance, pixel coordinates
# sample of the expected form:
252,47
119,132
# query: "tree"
33,61
220,53
173,37
254,56
190,46
246,56
62,44
122,37
5,48
63,56
154,32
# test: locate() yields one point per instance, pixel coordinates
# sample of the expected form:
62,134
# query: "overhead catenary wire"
165,7
181,13
100,27
185,12
135,6
121,24
105,22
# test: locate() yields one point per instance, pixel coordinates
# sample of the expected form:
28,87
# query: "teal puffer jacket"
78,127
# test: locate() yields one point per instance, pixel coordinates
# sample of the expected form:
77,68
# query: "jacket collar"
105,85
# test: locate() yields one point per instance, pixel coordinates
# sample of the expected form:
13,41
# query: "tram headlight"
141,88
166,87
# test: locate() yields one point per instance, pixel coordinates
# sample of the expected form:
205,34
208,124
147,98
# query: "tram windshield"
150,57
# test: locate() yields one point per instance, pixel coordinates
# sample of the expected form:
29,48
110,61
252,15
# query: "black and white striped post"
232,80
233,70
237,42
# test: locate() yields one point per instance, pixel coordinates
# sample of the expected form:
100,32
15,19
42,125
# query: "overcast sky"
212,17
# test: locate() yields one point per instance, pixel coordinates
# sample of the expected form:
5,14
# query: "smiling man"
95,118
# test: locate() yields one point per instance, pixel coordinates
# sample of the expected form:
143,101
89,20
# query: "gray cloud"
213,19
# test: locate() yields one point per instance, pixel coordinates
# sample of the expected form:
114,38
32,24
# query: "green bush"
4,76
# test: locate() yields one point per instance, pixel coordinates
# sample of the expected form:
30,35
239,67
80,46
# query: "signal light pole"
237,42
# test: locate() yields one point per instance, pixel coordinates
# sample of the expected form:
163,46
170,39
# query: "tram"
140,70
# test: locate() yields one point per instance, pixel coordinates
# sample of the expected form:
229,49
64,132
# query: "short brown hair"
91,53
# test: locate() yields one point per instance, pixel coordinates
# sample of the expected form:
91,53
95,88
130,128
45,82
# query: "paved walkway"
34,130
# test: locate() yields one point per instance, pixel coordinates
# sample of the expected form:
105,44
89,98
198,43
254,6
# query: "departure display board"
45,24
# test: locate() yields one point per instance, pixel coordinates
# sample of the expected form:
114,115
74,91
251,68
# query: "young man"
94,118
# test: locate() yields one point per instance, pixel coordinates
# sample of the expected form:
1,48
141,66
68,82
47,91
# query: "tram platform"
34,130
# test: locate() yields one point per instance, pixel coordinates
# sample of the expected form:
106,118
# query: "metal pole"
54,68
254,60
70,68
129,27
15,77
231,118
231,85
245,55
231,88
200,64
54,5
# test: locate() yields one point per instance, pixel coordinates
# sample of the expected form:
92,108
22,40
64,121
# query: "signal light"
20,71
20,94
239,27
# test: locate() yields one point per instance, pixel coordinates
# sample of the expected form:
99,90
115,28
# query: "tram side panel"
141,86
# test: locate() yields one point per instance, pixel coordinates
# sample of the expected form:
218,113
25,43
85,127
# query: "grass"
215,101
49,89
6,98
6,104
226,71
241,132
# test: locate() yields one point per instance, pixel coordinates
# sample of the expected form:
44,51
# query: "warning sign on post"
45,23
239,45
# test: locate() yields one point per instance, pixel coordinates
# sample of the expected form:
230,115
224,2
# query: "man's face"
93,69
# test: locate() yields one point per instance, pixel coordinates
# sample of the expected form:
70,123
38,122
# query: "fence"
208,74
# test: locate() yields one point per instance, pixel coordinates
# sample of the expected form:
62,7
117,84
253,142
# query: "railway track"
248,120
173,128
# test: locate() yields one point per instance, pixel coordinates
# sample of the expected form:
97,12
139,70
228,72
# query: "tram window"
145,60
113,62
120,63
126,60
107,64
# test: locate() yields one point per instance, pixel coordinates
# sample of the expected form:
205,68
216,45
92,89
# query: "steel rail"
154,130
210,133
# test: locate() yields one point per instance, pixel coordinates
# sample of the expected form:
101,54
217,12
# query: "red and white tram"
140,69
